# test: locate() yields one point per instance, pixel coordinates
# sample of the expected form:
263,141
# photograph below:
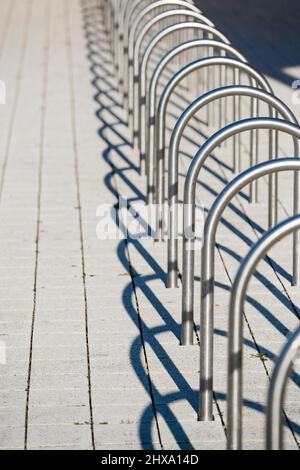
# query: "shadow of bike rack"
235,350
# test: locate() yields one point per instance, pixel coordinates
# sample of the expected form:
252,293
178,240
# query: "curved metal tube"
281,373
189,205
129,9
156,118
208,273
133,68
136,23
199,103
115,32
120,42
235,349
140,101
134,75
132,6
110,28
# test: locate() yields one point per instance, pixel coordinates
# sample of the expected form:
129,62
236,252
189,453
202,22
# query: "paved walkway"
90,332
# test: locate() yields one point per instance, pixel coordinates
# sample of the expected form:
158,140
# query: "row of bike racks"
136,30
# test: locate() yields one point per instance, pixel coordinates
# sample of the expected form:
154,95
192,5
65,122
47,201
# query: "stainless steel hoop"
199,103
134,81
189,205
235,349
133,27
124,37
156,117
132,6
284,365
141,100
207,269
133,62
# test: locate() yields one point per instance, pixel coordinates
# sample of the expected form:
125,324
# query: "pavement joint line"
39,197
67,9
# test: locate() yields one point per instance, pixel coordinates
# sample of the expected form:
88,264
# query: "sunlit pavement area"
89,334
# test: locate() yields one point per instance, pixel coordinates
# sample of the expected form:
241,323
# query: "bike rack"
182,122
207,269
235,350
189,207
112,8
130,9
154,124
116,34
141,100
108,9
134,70
128,25
118,39
174,146
281,373
115,11
138,19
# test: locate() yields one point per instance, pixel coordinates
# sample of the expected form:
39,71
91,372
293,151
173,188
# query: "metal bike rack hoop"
140,77
132,29
156,118
282,370
174,146
235,349
207,269
132,6
134,77
182,122
189,206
